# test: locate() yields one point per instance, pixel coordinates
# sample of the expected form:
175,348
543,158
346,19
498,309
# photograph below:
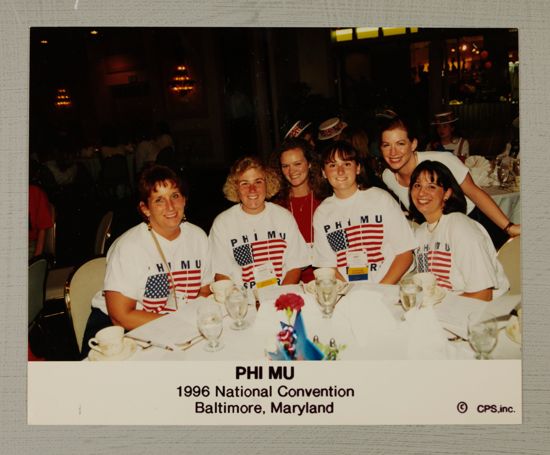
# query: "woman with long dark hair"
300,191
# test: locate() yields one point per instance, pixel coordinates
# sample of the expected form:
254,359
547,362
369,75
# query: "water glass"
326,291
236,304
482,333
210,324
409,293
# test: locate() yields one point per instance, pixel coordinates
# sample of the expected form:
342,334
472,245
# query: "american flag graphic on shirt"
256,253
367,237
158,288
437,262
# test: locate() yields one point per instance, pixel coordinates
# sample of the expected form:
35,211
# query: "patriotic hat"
298,128
331,128
444,117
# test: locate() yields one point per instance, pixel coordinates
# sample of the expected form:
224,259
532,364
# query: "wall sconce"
62,98
181,83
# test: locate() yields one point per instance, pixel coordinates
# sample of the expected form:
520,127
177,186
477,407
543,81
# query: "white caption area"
280,393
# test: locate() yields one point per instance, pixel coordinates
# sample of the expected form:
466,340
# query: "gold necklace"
434,226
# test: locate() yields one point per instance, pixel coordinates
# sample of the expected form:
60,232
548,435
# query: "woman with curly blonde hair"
301,186
256,243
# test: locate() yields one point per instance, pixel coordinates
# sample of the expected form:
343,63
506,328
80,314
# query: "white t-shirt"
457,168
241,243
135,267
461,255
360,235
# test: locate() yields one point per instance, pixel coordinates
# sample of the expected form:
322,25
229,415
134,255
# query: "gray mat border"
531,17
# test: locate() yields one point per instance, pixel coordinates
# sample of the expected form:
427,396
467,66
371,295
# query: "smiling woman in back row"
398,146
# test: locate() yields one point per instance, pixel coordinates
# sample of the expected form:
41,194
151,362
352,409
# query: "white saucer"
310,287
438,296
128,349
512,330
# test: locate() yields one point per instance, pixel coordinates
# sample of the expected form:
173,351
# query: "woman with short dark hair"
154,266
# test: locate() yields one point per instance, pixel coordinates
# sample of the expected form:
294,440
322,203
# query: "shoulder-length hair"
230,187
439,174
345,151
315,179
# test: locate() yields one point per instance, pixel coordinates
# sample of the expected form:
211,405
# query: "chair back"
80,288
49,242
38,269
103,233
509,256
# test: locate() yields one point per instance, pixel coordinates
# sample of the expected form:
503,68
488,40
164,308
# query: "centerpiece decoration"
292,341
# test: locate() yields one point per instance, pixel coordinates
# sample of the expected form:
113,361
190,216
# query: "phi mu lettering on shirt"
249,252
368,235
437,260
158,286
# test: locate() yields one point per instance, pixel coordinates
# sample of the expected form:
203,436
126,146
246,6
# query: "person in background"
331,129
146,151
155,266
301,129
256,243
359,231
398,146
448,140
163,136
301,187
40,219
452,246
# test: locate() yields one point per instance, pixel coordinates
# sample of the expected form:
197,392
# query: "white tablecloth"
508,199
368,321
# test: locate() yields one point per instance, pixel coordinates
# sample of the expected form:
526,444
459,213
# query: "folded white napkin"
368,315
480,168
426,339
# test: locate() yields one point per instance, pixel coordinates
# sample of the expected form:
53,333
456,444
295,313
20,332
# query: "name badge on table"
358,265
264,275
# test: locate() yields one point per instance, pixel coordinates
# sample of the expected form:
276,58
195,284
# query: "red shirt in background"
40,216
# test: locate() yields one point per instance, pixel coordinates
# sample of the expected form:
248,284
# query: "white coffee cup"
427,282
325,273
220,288
108,341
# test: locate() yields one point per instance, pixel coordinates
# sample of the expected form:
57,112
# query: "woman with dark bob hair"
300,189
360,231
256,243
154,266
452,246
